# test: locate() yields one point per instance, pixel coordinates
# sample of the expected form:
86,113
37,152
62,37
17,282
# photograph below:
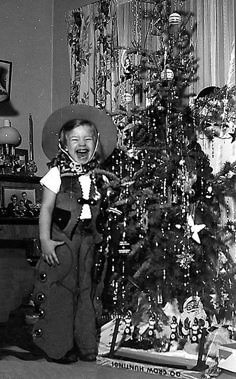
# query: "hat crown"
103,122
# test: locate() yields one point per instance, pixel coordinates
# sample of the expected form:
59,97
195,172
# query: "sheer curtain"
214,41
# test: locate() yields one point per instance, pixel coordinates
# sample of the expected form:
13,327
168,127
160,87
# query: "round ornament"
167,74
184,39
175,19
128,98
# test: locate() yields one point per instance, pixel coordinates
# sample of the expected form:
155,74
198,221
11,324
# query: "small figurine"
151,325
185,330
174,329
194,331
202,324
128,323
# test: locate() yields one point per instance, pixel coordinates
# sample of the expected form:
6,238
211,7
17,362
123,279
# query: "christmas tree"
164,240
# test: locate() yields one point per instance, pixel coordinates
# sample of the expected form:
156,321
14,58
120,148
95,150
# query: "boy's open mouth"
82,154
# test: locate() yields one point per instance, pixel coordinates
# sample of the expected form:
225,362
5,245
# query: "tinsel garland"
215,113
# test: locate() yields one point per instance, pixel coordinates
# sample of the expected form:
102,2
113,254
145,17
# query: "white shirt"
52,180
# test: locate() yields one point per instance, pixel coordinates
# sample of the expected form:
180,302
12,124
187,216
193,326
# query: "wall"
33,37
26,41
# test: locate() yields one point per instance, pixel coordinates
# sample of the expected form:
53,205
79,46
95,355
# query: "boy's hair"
67,127
70,125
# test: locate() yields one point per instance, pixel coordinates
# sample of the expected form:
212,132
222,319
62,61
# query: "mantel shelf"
19,178
19,220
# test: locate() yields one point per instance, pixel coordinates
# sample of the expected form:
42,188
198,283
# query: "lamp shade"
9,135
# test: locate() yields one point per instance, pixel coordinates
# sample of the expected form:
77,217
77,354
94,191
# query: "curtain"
215,48
214,41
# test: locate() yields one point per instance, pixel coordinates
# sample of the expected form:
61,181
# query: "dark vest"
69,204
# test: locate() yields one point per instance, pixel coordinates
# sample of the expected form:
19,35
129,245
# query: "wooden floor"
15,336
13,368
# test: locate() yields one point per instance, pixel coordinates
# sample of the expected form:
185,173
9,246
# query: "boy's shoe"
70,357
89,357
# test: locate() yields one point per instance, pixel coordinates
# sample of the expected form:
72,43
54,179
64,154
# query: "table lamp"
9,137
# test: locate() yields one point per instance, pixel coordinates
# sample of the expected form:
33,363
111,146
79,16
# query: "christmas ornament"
184,39
175,19
209,192
233,135
167,74
214,300
128,98
195,229
184,259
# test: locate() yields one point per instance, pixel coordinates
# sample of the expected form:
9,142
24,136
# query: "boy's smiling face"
81,143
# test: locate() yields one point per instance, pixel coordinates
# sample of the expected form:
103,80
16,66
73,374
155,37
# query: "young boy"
76,139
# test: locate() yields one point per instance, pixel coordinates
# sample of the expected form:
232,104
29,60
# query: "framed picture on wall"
9,191
22,155
5,80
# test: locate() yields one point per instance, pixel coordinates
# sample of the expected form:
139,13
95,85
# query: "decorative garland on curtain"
89,43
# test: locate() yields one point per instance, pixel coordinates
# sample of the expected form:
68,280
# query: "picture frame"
22,155
10,190
22,158
5,80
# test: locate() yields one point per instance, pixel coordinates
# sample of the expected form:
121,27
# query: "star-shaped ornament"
195,229
213,300
185,259
233,135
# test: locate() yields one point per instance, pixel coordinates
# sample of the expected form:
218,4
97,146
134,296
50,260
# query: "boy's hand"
48,251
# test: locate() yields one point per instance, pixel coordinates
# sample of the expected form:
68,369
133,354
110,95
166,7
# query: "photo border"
9,190
5,80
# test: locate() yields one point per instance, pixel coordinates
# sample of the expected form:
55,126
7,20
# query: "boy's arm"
48,246
45,216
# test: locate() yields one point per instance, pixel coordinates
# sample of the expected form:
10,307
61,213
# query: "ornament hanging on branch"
233,135
184,39
185,259
167,74
175,19
195,229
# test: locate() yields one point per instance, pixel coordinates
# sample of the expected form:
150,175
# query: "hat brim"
103,122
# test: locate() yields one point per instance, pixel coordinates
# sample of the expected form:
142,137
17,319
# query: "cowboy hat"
103,122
